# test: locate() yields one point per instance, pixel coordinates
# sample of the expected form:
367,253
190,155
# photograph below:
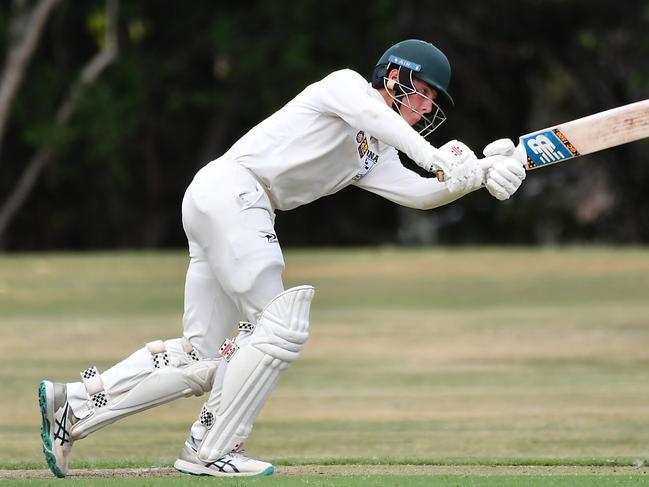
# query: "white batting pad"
174,370
254,370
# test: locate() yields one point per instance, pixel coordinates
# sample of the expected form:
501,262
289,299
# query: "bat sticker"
548,147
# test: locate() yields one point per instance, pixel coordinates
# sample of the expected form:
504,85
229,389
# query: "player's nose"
427,106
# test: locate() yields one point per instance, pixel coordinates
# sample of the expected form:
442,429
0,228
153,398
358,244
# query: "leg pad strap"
94,387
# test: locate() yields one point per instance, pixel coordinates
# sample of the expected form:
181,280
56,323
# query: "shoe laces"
238,453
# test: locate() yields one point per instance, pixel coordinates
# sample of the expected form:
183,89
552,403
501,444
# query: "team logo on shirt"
368,156
363,146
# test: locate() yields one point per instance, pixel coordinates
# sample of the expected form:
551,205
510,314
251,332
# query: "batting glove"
462,171
507,171
500,147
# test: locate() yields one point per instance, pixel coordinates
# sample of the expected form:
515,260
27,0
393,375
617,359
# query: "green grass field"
463,366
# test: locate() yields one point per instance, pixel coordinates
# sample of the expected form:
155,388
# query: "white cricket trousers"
236,263
235,269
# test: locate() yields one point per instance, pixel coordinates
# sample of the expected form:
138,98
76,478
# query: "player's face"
421,102
415,101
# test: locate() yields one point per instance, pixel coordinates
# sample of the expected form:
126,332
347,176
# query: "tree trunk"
45,154
25,29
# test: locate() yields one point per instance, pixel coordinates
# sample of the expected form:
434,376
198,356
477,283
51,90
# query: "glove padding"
462,171
507,172
500,147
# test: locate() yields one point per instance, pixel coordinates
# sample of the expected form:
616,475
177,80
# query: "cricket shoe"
56,420
234,464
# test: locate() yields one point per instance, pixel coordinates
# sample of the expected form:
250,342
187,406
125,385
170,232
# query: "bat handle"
485,163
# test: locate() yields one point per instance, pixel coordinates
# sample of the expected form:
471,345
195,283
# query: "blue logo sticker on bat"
547,148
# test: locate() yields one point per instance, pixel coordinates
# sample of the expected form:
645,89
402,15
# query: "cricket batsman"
339,131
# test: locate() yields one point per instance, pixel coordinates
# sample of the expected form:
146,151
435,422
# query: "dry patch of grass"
499,352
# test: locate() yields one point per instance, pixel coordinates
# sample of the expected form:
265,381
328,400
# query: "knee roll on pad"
253,370
176,370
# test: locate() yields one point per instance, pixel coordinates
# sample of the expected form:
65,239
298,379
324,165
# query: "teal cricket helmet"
426,61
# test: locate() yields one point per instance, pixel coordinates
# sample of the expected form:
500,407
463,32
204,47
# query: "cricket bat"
585,135
579,137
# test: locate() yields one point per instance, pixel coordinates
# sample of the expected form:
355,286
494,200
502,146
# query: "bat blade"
586,135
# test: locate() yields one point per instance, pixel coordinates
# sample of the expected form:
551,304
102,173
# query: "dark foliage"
193,77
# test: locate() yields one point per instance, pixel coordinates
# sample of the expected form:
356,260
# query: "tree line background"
108,108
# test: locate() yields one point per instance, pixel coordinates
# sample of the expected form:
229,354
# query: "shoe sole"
45,429
198,470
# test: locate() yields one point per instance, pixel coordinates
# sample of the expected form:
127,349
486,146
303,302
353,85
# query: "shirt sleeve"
391,180
346,94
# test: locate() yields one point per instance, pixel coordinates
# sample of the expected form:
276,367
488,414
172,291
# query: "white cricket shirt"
339,131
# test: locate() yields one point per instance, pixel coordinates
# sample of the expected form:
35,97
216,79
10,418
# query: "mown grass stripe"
495,462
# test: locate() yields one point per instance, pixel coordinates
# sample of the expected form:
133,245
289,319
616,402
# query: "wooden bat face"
585,135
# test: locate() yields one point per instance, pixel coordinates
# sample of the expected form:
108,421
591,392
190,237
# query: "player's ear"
393,77
381,74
